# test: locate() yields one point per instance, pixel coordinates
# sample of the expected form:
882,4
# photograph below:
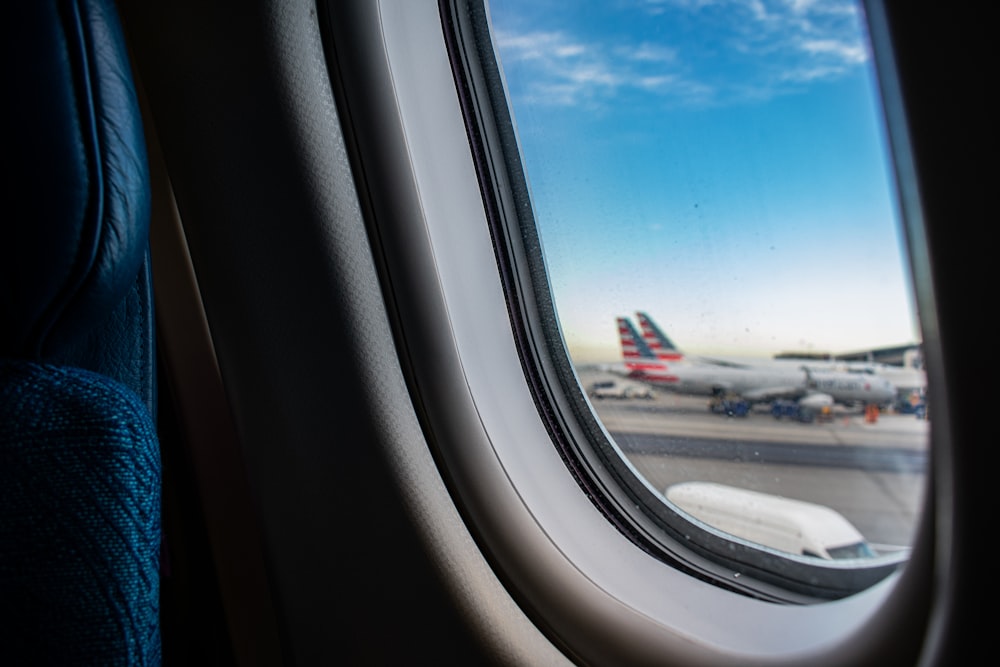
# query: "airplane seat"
80,515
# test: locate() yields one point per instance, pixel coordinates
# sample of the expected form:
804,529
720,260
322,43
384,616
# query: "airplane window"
711,186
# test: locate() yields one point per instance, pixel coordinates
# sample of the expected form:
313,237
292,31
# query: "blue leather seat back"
74,244
80,475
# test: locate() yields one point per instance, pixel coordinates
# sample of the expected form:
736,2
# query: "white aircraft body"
756,384
907,381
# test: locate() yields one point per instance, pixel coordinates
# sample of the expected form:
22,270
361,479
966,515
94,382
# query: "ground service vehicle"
616,389
373,451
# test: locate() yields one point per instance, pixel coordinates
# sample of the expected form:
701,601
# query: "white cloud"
807,74
648,52
655,82
567,71
801,6
848,53
758,49
757,9
532,45
569,50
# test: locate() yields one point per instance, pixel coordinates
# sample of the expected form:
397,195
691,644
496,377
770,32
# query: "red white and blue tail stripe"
657,341
633,345
635,351
640,361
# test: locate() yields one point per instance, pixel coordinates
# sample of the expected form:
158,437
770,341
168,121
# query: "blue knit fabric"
79,520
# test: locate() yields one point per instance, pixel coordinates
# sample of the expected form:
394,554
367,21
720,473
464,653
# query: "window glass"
711,184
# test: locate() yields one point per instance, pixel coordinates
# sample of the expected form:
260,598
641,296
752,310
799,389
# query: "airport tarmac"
689,416
872,473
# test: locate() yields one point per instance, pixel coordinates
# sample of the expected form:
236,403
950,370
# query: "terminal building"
907,356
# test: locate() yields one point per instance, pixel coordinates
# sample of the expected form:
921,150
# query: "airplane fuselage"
763,384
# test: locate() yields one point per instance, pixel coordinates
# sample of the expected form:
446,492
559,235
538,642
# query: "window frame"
596,593
598,464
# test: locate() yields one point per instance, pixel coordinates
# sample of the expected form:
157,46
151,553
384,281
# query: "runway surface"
872,473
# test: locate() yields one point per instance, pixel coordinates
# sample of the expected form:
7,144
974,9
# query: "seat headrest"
76,194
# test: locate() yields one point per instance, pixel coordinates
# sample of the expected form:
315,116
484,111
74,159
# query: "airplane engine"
816,401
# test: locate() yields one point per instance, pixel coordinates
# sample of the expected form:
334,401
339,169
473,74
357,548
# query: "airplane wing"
816,400
722,362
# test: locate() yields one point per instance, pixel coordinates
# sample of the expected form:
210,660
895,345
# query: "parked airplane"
907,381
757,384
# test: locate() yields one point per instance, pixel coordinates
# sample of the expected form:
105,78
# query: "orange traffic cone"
871,414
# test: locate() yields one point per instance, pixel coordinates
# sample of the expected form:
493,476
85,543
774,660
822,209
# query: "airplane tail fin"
656,340
633,345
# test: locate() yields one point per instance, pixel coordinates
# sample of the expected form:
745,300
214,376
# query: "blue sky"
719,164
